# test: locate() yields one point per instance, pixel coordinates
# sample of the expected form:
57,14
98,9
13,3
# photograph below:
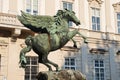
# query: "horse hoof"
57,69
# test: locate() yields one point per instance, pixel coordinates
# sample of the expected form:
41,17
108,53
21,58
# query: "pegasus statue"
53,33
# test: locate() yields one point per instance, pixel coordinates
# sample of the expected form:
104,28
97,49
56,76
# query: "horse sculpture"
53,33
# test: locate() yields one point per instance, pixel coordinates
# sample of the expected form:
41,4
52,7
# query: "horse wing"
37,23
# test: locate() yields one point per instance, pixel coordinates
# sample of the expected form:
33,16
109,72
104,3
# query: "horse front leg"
23,60
47,62
54,64
85,39
43,59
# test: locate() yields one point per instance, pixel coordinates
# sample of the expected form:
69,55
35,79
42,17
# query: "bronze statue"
53,33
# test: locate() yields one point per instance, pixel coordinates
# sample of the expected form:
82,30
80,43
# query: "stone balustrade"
9,19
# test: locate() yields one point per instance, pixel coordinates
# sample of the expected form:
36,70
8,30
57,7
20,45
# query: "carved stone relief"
95,3
117,7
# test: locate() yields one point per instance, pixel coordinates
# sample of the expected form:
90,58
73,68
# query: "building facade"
100,23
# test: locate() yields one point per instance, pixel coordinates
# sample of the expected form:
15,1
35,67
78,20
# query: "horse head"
69,16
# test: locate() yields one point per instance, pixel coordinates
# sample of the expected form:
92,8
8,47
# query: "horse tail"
28,41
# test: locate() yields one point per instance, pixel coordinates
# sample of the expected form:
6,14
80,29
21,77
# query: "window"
99,70
95,19
31,69
32,6
118,22
70,63
68,5
118,69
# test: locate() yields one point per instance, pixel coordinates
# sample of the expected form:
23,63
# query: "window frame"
118,20
99,69
118,68
116,11
94,4
70,24
96,17
28,70
68,3
31,7
69,66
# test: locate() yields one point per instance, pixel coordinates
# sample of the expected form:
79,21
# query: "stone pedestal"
61,75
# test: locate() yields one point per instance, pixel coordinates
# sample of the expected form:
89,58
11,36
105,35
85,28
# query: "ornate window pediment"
117,7
68,1
99,1
95,3
97,50
94,8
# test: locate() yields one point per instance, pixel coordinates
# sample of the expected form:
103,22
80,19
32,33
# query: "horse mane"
57,20
60,14
58,17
